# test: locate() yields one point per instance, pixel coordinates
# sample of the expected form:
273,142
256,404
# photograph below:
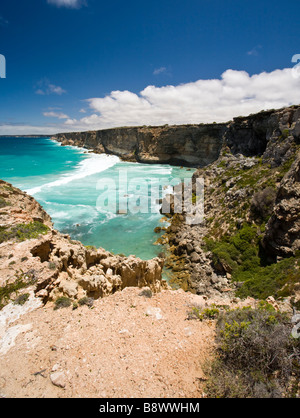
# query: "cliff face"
282,235
190,145
270,133
249,241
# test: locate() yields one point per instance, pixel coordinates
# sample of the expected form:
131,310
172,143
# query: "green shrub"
86,302
242,256
263,203
256,356
278,279
23,232
147,293
3,202
22,299
201,314
236,253
23,280
62,302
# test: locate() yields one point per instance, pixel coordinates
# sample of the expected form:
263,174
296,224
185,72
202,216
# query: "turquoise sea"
71,186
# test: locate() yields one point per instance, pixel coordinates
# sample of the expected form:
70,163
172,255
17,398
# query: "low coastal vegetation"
200,314
11,290
3,202
257,357
65,302
242,256
62,302
22,232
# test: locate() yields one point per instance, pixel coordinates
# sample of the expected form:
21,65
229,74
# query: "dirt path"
125,346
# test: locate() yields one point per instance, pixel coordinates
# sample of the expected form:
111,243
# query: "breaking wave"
93,164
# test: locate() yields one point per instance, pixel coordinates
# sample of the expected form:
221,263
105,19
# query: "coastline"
167,272
136,326
268,138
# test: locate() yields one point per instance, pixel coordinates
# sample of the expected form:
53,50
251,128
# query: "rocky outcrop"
282,235
32,251
72,270
16,207
270,134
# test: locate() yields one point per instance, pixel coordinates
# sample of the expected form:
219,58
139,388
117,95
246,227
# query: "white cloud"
255,51
70,4
46,88
203,101
236,93
59,115
56,89
160,70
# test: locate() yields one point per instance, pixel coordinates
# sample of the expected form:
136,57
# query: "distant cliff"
189,145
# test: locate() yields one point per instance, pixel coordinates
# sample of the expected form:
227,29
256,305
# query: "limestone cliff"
282,234
249,241
192,145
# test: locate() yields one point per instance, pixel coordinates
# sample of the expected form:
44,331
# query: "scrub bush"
256,355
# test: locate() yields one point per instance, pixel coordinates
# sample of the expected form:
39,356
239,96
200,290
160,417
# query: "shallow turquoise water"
71,185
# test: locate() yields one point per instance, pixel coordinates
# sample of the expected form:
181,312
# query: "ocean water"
97,199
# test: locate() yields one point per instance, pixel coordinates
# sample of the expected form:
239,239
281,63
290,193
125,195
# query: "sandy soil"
125,346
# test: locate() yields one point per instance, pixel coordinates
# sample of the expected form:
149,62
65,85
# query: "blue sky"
79,65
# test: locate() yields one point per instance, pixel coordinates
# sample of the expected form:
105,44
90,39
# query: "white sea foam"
64,212
93,164
153,169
